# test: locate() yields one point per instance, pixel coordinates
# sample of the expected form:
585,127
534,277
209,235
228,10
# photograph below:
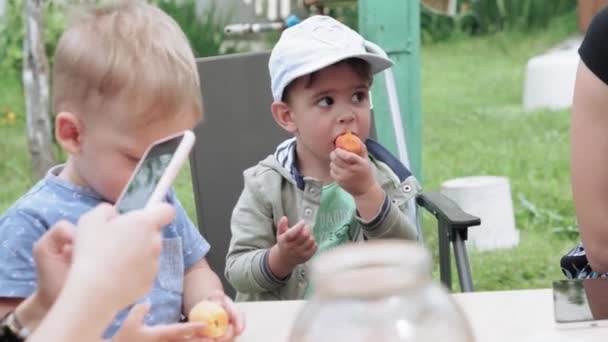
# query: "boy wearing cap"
309,196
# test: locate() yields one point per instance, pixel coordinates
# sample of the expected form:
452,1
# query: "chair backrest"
237,132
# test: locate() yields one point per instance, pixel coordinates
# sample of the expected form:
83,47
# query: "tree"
36,88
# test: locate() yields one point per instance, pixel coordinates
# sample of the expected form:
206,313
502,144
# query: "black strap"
6,333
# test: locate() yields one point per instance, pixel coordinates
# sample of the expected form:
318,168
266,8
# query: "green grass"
14,157
473,124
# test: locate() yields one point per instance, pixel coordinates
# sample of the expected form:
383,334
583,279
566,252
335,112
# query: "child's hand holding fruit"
222,320
350,167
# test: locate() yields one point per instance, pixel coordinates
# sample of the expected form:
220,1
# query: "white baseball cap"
314,44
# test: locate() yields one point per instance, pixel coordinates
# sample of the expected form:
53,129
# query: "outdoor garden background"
473,121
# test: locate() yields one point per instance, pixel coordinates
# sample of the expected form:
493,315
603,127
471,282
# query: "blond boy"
310,196
124,76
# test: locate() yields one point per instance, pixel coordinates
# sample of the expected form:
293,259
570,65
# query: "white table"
513,316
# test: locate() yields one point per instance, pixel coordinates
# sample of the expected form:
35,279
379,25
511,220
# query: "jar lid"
373,268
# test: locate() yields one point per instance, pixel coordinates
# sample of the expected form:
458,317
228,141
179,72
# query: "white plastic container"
489,198
549,81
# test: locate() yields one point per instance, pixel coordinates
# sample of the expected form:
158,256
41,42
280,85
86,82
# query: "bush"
12,32
477,17
497,15
205,33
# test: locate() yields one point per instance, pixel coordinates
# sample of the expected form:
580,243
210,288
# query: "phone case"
177,160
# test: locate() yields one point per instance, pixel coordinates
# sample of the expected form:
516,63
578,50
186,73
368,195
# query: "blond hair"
130,52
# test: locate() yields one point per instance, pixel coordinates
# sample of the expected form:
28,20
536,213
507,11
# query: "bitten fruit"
213,315
349,142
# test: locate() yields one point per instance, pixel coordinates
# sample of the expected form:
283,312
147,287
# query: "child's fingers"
340,173
239,321
309,247
338,163
194,338
228,336
345,156
60,235
237,318
154,217
66,251
300,223
332,155
101,214
363,153
350,158
161,214
217,296
137,314
188,339
176,332
283,225
335,174
292,233
305,235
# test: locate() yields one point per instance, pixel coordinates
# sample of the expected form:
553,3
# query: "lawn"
473,124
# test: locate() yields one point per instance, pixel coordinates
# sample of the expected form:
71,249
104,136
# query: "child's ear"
283,116
68,131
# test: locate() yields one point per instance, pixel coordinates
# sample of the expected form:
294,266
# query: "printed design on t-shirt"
335,223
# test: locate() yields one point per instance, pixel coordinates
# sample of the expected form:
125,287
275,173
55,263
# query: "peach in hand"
213,315
349,142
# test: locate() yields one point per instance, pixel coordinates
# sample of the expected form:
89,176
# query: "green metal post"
395,26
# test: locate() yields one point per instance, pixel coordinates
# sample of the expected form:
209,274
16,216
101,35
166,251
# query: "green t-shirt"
335,223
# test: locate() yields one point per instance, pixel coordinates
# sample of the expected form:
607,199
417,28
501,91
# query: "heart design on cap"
334,35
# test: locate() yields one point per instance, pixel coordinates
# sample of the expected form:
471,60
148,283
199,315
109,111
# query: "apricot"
349,142
213,315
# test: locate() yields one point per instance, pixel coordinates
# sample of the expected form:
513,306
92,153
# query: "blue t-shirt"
54,199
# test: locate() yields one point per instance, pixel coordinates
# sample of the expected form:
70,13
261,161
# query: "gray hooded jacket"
274,188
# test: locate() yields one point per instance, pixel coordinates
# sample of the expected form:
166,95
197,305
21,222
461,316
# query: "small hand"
53,256
352,171
236,317
294,246
109,246
134,329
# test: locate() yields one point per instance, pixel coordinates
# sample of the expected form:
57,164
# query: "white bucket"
550,78
489,198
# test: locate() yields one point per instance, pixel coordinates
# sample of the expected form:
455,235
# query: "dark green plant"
477,17
435,26
498,15
12,32
205,32
346,13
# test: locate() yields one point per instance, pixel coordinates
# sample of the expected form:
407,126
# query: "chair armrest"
447,212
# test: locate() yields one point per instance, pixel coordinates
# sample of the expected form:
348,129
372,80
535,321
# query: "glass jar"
380,290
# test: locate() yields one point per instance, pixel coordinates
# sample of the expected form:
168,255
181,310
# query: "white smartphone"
155,172
581,303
